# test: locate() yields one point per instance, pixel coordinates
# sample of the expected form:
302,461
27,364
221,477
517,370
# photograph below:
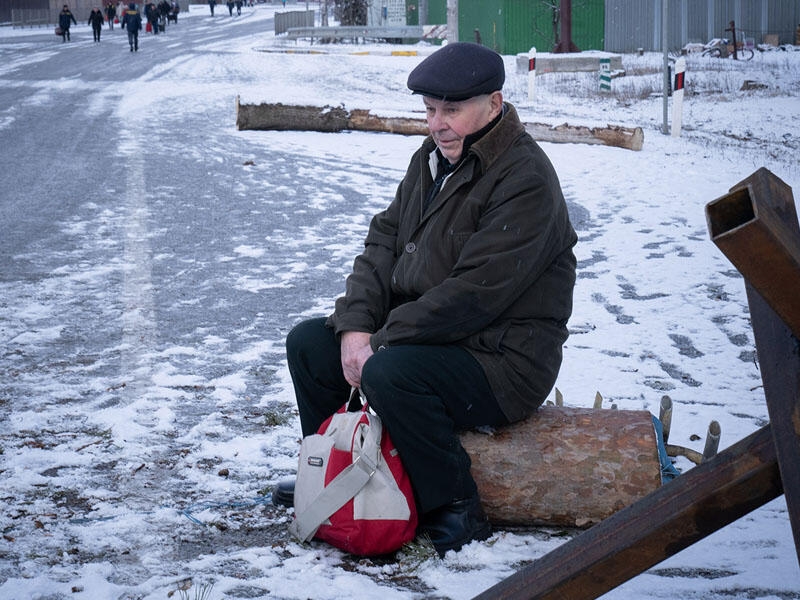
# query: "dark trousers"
424,395
96,32
133,39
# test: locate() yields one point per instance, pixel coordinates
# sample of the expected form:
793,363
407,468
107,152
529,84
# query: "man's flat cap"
458,71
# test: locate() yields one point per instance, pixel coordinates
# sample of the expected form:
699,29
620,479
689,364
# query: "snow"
658,310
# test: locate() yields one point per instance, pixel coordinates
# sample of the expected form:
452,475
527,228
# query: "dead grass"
643,78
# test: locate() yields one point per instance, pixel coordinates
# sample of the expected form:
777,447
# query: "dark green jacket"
489,266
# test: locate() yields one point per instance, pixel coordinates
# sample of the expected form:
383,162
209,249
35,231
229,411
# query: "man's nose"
436,122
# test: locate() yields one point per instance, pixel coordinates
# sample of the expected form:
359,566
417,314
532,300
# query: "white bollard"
677,97
605,74
531,74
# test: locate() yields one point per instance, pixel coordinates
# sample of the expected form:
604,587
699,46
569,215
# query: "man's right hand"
355,352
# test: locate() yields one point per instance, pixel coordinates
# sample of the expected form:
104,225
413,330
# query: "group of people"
231,4
129,17
158,15
237,4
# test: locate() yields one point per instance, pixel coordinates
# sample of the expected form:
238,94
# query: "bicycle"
723,48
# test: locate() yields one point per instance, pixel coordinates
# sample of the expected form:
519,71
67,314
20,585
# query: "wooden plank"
689,508
565,466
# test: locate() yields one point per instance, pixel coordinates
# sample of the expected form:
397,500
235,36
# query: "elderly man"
455,313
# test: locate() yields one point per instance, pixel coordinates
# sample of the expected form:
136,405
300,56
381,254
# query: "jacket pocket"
489,339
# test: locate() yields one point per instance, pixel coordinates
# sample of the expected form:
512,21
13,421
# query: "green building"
514,26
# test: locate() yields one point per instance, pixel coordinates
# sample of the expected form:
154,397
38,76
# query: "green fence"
514,26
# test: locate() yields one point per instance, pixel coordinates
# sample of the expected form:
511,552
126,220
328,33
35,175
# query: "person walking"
163,11
96,21
238,8
151,14
211,5
65,18
132,20
111,14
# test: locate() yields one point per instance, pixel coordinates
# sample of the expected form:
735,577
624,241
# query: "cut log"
563,466
287,117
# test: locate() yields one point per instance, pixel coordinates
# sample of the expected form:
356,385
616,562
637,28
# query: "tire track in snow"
138,316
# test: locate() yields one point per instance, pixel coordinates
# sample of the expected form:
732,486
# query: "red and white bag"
352,490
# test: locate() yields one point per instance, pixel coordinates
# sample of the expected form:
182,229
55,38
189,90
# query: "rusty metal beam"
755,226
779,361
689,508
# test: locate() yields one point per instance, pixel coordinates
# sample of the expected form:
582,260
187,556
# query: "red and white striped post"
677,97
531,73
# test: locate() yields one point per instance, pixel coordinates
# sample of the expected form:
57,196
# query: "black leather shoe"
283,494
452,526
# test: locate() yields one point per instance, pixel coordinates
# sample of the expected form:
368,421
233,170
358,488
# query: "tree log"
563,466
287,117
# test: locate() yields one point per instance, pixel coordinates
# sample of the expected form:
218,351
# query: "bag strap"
344,486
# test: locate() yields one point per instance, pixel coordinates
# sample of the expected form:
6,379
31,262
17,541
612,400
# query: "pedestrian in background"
65,18
163,11
111,14
238,7
96,21
211,5
133,21
152,14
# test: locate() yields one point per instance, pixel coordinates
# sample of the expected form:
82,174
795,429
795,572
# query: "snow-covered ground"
209,416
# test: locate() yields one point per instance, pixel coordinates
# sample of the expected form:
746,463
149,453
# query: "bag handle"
344,486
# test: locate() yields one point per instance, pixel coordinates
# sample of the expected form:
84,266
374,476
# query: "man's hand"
355,352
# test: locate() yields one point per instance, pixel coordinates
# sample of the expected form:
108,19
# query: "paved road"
152,259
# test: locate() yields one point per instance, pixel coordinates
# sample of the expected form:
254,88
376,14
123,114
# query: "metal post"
732,29
664,18
452,20
565,43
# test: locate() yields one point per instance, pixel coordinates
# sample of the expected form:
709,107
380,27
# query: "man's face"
450,122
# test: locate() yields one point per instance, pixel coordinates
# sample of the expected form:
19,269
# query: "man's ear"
496,100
